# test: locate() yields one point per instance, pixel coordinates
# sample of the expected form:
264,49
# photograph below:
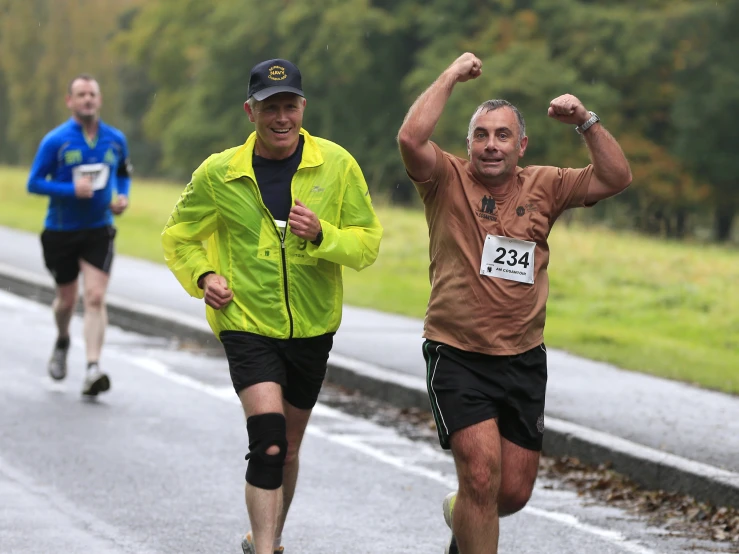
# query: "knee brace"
265,470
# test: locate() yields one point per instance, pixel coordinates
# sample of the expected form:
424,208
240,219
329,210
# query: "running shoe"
448,507
58,363
95,381
248,546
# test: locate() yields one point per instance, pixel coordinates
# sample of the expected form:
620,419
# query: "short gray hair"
81,77
253,102
489,106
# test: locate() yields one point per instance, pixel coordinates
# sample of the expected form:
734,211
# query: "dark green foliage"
663,75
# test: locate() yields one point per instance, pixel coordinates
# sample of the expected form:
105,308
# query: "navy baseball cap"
272,77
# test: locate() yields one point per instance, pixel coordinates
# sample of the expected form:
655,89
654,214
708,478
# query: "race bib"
281,227
507,258
99,174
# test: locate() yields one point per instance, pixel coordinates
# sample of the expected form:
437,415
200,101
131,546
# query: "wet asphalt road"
156,466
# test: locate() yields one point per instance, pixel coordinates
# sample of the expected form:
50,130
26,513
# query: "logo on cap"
273,77
277,73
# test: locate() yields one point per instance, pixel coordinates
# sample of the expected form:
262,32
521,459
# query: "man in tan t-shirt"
488,226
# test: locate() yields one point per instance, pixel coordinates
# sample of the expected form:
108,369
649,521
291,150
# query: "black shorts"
466,388
299,365
63,251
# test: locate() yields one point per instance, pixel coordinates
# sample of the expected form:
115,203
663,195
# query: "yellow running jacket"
282,288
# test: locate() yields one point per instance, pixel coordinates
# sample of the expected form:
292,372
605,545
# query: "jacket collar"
241,166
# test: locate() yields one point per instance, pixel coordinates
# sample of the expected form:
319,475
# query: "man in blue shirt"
78,166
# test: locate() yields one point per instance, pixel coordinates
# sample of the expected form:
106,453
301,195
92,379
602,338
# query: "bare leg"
297,421
518,475
96,315
63,307
477,456
264,506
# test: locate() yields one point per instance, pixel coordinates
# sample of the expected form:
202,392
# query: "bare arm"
413,138
610,167
611,170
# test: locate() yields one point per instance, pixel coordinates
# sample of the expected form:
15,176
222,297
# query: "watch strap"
588,124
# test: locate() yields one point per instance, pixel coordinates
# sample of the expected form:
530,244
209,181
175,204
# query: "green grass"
666,308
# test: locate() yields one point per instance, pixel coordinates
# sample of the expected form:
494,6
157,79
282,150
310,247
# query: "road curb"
646,466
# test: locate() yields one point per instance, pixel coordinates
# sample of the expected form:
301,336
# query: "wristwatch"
319,238
588,124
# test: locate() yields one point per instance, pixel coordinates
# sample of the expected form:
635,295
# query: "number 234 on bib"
507,258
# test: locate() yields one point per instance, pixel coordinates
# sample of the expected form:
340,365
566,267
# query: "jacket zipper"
282,252
284,275
284,259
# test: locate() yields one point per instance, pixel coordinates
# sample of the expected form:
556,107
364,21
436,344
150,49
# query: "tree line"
663,75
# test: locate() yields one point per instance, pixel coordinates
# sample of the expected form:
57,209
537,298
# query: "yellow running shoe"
448,507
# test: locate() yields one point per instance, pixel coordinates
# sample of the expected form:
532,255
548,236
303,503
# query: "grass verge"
660,307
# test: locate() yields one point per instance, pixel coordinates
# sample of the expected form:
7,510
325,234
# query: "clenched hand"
303,222
217,293
466,67
120,205
83,187
568,109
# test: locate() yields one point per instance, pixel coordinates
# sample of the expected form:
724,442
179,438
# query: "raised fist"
568,109
466,67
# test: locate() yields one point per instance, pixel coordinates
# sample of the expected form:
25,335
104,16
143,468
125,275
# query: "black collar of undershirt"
285,161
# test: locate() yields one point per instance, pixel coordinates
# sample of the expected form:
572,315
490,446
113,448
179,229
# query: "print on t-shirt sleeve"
571,188
438,175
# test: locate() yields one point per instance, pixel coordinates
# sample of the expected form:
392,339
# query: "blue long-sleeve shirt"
64,152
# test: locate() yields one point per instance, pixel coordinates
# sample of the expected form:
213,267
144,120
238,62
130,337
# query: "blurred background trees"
662,74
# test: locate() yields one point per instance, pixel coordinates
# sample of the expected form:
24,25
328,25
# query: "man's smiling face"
278,120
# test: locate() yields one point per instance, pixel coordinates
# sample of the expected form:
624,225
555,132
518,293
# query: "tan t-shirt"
475,312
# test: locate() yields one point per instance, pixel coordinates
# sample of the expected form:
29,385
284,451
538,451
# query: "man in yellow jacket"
281,215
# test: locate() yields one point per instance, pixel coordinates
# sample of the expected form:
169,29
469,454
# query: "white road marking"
608,535
358,443
9,301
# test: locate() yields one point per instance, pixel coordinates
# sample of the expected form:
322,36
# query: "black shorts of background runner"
64,249
299,365
466,388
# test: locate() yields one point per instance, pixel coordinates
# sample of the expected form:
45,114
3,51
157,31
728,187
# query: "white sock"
278,543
